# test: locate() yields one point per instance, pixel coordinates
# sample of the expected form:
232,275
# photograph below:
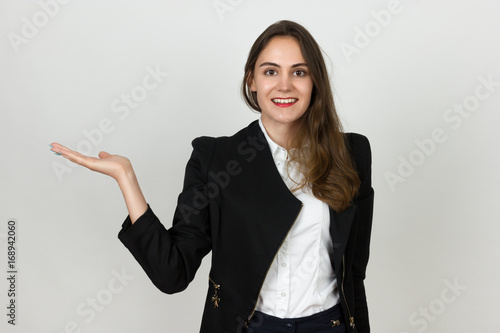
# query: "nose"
285,83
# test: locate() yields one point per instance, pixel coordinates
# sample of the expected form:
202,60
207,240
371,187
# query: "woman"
285,205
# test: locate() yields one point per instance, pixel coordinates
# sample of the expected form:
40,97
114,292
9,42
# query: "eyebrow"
276,65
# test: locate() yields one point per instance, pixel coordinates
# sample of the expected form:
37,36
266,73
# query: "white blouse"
301,280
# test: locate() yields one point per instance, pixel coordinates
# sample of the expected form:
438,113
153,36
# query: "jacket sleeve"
171,257
364,202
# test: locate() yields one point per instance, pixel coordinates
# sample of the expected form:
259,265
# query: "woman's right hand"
115,166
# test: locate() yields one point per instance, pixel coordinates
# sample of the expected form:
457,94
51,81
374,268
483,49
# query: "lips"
284,102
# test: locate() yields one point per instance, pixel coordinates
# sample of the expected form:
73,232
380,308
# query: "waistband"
330,317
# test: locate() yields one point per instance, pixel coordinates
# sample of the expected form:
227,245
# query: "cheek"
265,86
306,92
264,89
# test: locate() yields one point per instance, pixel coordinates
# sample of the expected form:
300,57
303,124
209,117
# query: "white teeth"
284,101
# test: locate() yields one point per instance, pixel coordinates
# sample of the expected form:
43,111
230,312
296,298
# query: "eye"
300,72
270,72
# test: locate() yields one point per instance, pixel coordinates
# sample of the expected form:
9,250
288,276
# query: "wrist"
126,174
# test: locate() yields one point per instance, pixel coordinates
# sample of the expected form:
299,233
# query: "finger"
104,154
60,149
56,146
72,155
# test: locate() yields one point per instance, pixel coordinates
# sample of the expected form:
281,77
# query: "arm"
171,257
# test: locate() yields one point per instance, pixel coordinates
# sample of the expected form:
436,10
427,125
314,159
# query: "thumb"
103,154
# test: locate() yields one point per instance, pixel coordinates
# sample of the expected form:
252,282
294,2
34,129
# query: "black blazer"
235,204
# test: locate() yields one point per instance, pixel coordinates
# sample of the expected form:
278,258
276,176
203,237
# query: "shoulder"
358,144
208,143
359,147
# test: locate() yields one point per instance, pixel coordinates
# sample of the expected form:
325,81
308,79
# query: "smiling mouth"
284,102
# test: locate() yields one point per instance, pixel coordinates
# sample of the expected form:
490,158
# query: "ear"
251,83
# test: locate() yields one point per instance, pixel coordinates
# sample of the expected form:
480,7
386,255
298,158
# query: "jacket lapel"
340,223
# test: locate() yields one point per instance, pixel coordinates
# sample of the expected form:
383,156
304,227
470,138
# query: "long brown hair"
321,153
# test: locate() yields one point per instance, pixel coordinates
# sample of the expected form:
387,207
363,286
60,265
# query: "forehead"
281,49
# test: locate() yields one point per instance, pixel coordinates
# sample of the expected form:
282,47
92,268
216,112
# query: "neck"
278,132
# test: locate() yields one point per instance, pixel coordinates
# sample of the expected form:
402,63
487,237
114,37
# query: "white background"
438,227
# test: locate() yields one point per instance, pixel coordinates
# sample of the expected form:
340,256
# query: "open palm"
112,165
115,166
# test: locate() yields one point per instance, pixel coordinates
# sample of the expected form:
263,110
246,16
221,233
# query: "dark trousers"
329,321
